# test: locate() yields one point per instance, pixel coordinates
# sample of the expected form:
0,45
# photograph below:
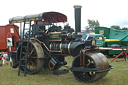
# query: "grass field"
117,76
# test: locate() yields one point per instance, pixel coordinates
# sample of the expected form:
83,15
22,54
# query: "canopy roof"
46,17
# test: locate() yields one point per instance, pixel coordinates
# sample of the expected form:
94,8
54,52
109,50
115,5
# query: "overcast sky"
107,12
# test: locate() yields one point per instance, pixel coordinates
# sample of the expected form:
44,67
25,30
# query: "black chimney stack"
77,18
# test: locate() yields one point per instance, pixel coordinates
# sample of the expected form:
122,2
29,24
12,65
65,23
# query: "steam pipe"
77,9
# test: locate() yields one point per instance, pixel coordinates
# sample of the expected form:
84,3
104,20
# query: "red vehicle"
9,35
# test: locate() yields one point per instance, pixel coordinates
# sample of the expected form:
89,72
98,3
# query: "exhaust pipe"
77,9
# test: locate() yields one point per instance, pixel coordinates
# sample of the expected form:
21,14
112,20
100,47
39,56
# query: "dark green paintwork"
103,43
103,30
109,33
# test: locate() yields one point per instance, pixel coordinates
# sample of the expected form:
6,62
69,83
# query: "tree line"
92,24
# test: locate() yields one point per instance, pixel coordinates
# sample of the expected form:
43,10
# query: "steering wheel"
27,34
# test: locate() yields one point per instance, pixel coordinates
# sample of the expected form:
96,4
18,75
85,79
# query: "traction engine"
45,44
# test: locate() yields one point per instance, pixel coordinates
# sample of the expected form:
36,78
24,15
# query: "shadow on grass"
45,72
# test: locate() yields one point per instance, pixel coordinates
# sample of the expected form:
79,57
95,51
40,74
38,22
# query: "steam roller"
46,44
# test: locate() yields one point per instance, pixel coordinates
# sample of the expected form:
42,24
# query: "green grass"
117,76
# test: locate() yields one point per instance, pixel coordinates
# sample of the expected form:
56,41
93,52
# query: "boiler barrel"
69,48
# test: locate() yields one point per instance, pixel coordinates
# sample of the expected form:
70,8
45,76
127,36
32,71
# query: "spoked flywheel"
92,61
35,57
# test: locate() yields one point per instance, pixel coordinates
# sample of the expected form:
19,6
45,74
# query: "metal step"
23,65
23,59
24,46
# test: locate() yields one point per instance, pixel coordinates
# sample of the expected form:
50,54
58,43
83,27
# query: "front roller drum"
96,67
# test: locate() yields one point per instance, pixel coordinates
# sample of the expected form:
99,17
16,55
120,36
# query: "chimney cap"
77,6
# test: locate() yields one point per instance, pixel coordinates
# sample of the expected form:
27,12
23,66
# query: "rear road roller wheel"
35,58
92,60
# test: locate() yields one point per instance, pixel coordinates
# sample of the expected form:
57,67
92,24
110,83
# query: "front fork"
82,57
83,54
